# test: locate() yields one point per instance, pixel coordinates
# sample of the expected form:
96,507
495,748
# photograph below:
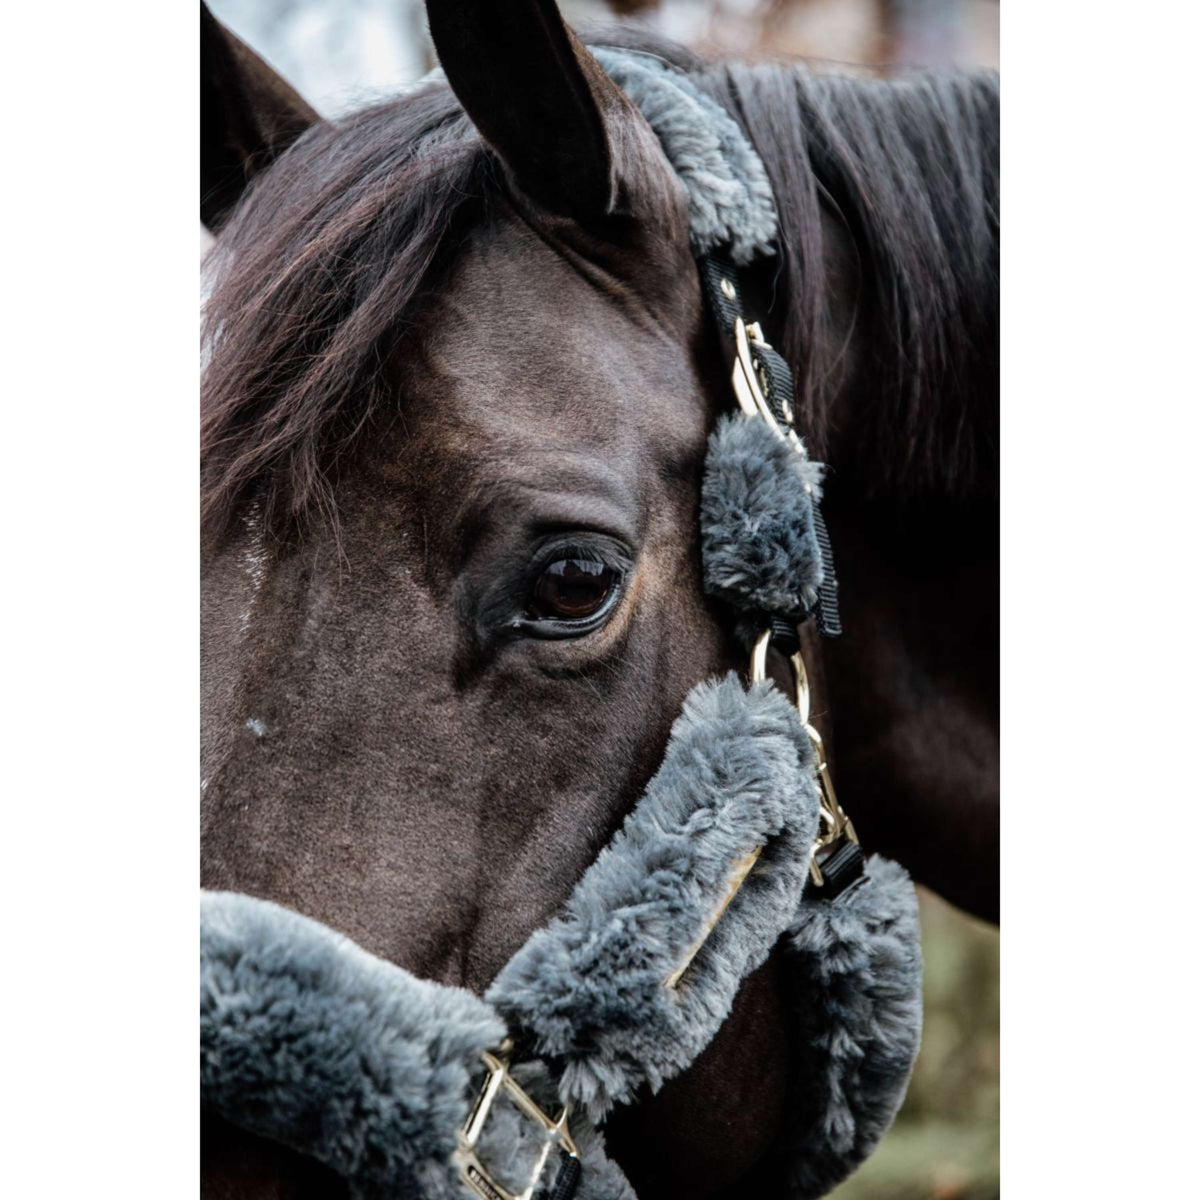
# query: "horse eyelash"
583,551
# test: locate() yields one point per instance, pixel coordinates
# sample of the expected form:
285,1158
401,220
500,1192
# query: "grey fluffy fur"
729,195
737,774
730,203
758,545
308,1039
854,973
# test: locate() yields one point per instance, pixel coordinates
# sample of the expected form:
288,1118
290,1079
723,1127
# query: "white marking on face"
254,558
255,726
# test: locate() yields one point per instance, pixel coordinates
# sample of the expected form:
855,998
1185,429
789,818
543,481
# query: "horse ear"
248,117
535,94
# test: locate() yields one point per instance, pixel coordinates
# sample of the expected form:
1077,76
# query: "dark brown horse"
454,419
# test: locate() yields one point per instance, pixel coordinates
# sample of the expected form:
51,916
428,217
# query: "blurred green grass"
945,1144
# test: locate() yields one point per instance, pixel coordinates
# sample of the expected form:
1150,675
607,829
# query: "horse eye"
571,589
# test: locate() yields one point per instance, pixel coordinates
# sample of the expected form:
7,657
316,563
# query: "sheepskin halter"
738,847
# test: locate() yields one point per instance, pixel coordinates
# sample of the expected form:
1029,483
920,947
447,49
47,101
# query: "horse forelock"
314,282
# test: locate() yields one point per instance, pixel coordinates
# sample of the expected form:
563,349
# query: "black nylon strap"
776,375
829,617
719,277
841,870
785,637
566,1182
722,288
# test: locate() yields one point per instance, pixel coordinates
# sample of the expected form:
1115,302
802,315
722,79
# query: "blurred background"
341,54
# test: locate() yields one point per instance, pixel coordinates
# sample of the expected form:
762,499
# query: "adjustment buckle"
471,1170
748,383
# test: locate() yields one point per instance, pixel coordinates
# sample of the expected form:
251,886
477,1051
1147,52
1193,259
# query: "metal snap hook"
837,827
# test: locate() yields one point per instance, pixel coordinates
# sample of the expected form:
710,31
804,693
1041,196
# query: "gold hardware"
836,824
471,1171
750,388
741,868
748,383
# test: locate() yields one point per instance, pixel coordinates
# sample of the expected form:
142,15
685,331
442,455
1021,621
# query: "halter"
738,846
732,221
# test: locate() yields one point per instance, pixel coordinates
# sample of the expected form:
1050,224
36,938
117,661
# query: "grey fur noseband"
309,1040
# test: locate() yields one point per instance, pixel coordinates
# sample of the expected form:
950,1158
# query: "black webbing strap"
829,616
566,1182
842,869
719,276
785,636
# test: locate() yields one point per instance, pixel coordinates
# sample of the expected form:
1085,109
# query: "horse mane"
321,274
910,167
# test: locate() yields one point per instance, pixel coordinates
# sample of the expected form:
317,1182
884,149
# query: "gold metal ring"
758,672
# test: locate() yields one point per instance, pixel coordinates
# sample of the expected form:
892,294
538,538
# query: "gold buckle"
837,825
748,383
474,1175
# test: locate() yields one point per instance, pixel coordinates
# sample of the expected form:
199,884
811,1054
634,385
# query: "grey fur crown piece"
730,203
758,541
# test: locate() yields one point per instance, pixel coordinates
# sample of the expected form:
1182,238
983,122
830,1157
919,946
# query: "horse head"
455,413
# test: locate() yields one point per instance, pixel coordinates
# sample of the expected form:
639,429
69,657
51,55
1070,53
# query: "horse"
458,388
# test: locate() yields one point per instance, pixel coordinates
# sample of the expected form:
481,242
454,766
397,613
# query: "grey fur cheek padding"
758,543
854,981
